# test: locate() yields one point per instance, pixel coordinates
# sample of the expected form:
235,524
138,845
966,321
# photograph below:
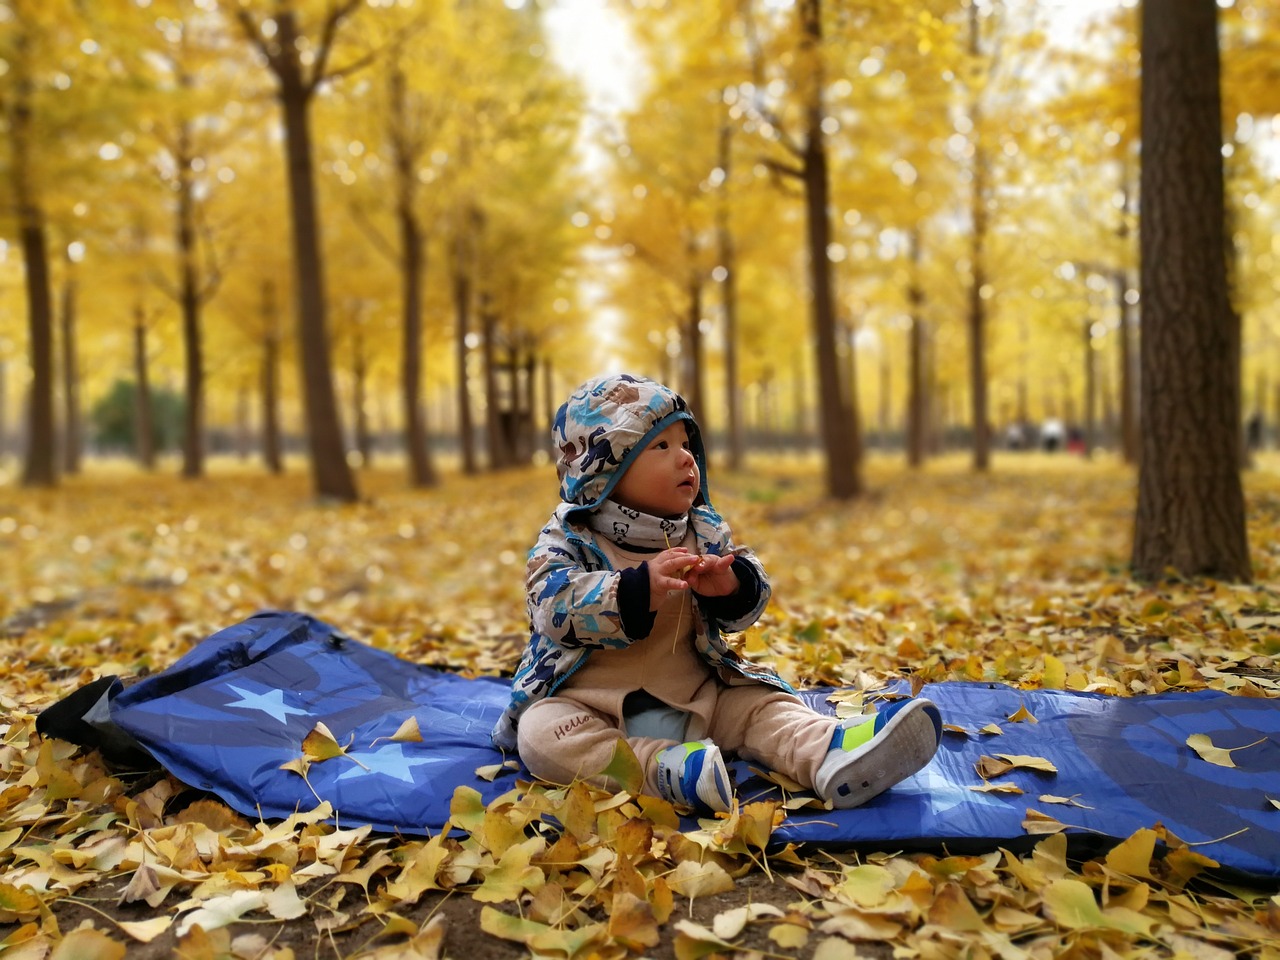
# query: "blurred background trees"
339,229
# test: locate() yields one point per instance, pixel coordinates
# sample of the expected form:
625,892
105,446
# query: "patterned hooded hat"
605,424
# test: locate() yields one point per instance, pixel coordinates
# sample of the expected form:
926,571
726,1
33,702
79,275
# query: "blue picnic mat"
229,713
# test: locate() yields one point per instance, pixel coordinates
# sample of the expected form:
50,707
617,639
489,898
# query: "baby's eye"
661,444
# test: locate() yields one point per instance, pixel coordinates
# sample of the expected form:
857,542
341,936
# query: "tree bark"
695,375
359,397
143,419
39,467
977,311
413,259
1090,425
917,386
729,303
494,440
189,305
72,432
270,376
331,474
841,438
1190,513
462,246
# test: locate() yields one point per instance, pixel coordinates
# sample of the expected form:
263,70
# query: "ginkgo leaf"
693,941
632,922
1071,904
1039,824
1019,762
1068,801
989,767
1221,756
996,788
408,732
490,772
320,745
624,769
1055,673
220,911
17,904
511,877
144,931
283,902
695,880
730,923
992,729
1132,856
88,944
789,936
1022,715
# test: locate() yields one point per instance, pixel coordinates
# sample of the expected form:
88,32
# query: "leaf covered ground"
1018,576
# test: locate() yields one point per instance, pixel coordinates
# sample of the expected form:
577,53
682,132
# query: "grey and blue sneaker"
869,754
694,775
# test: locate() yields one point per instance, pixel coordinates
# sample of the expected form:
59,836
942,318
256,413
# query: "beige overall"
571,735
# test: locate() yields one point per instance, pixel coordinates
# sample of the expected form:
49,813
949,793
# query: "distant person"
1075,440
1015,436
1253,431
630,585
1052,435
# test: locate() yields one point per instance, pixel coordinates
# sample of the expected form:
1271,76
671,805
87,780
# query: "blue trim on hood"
695,443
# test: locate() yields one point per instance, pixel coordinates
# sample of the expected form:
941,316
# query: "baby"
631,585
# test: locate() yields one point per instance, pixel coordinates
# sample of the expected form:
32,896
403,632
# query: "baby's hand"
713,576
667,573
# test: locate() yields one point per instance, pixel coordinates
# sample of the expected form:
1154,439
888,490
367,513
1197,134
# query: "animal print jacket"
571,586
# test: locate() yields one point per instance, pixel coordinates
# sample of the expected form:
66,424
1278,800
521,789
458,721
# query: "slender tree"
300,65
72,433
39,467
1190,514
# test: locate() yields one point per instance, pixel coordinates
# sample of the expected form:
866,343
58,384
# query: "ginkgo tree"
296,43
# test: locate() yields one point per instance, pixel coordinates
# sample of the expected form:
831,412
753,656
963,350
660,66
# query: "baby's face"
664,480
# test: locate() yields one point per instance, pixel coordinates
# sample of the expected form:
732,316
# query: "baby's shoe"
694,775
869,754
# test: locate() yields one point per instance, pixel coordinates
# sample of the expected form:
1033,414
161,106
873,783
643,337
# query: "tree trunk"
494,440
359,381
143,420
462,324
39,468
243,428
1125,386
841,438
977,311
331,474
271,453
694,391
1090,426
729,303
917,403
412,273
189,304
72,433
1190,514
412,251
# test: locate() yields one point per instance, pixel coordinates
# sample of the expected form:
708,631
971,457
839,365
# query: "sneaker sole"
906,744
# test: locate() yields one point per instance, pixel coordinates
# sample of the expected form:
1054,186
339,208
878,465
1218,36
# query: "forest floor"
936,574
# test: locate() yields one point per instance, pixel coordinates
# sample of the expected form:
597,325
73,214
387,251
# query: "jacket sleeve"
570,603
732,614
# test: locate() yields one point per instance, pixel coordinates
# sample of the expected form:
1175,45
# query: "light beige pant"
561,739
